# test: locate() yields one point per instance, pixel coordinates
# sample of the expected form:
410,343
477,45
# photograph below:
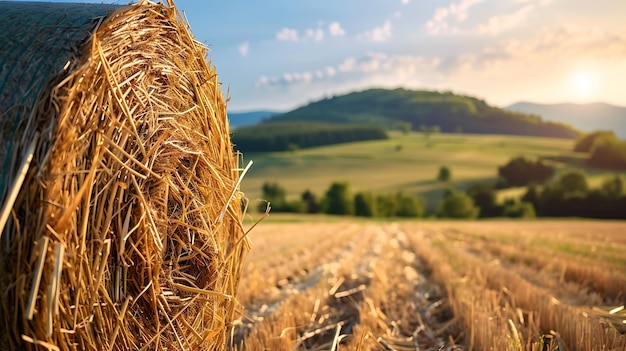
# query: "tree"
608,154
587,142
444,174
456,204
532,196
521,171
573,182
387,205
338,199
409,205
613,187
365,204
485,197
276,195
310,201
519,209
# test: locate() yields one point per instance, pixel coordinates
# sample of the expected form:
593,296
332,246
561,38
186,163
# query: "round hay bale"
126,233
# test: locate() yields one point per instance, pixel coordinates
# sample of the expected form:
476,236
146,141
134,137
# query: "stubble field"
501,285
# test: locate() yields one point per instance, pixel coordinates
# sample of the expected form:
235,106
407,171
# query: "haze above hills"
586,117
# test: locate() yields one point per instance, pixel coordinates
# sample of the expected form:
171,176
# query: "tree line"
290,136
547,193
339,200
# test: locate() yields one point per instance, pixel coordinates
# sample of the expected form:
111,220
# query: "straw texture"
127,232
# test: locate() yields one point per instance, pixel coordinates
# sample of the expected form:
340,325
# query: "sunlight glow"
584,84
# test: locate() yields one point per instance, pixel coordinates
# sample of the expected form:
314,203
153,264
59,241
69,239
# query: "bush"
456,204
338,200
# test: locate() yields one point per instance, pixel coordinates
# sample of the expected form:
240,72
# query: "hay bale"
126,233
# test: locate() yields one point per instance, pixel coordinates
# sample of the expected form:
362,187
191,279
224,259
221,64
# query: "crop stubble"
434,286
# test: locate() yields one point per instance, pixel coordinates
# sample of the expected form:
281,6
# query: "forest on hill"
383,109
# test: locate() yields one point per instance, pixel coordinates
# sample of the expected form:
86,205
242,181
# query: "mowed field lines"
501,285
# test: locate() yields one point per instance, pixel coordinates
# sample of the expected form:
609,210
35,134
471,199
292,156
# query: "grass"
404,162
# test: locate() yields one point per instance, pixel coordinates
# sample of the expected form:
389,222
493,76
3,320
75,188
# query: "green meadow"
406,162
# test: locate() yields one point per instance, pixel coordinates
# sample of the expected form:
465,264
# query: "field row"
434,286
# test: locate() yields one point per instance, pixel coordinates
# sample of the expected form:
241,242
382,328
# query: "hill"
244,119
451,112
586,117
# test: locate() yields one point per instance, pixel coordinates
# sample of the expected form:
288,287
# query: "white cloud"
406,1
498,24
455,13
287,34
379,34
315,34
335,30
244,48
348,65
398,68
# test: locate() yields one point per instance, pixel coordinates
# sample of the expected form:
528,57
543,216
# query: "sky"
281,54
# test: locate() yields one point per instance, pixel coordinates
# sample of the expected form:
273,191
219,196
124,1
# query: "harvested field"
541,285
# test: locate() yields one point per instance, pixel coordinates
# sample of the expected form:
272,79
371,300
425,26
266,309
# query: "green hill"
451,112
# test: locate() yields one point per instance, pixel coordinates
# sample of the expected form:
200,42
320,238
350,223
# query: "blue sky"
280,54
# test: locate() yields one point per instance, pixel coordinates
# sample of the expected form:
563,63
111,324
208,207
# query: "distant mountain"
586,117
243,119
451,112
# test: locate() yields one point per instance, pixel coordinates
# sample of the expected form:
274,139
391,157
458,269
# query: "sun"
584,84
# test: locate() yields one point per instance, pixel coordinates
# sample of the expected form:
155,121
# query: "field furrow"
434,286
372,294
